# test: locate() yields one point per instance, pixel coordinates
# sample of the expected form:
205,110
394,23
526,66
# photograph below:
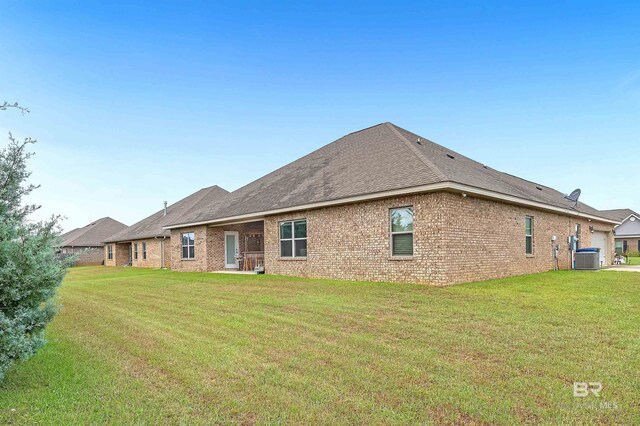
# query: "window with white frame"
110,252
528,234
188,245
135,251
293,238
144,250
401,231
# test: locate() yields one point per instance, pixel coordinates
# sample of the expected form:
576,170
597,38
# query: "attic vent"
538,188
450,156
419,142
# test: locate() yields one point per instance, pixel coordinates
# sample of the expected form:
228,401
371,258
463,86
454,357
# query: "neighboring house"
627,234
86,243
145,243
384,204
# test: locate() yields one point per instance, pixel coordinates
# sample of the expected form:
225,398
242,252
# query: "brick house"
86,243
146,243
384,204
627,234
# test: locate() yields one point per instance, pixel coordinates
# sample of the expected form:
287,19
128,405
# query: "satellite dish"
574,196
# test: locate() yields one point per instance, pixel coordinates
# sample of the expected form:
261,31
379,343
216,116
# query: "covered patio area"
239,247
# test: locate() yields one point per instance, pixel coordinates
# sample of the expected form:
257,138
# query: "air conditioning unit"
588,259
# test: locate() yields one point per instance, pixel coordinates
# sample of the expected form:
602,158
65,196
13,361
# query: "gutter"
442,186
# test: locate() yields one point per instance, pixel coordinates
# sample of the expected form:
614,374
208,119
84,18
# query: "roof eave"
126,240
441,186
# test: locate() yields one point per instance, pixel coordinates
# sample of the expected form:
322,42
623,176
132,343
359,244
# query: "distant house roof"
93,234
152,226
377,160
619,214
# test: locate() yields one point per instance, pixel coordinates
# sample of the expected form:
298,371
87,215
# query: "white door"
231,249
599,240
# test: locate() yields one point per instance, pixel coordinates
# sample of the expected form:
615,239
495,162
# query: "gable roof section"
93,234
382,159
153,226
620,214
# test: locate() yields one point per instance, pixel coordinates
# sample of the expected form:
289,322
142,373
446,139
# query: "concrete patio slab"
624,268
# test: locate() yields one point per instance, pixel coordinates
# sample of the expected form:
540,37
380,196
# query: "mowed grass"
161,347
634,261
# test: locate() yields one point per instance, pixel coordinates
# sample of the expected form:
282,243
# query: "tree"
30,270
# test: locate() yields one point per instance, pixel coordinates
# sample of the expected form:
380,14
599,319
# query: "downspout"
162,239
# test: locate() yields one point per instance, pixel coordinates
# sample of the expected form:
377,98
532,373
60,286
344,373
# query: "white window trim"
293,238
135,251
144,250
182,246
110,252
391,233
533,250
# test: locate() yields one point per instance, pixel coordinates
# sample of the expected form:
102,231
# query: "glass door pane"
230,249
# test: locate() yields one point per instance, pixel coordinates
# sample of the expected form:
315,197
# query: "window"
135,251
402,231
188,245
110,252
619,248
528,234
293,238
625,246
144,251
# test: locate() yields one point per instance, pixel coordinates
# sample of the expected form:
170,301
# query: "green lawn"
149,347
634,260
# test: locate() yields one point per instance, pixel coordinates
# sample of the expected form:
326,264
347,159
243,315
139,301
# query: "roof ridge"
417,152
205,193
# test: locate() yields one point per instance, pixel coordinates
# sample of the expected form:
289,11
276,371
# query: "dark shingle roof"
152,226
380,158
619,214
93,234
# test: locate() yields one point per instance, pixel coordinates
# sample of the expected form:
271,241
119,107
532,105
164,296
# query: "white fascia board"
442,186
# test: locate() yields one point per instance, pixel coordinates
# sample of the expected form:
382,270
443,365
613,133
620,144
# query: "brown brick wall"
120,254
85,256
154,254
485,239
632,243
209,248
352,242
200,263
167,253
456,240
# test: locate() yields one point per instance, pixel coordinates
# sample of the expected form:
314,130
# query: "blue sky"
133,104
